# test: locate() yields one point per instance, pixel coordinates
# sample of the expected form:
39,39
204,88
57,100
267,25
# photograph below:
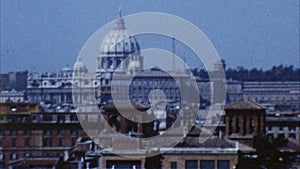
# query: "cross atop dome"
120,21
120,12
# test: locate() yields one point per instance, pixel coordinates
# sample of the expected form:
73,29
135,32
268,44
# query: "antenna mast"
173,52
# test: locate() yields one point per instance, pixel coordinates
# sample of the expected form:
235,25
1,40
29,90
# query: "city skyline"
148,89
251,34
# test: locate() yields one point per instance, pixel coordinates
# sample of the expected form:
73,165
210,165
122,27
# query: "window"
281,128
207,164
13,156
223,164
47,142
191,164
293,135
13,142
73,118
60,142
73,141
280,136
270,136
292,128
26,132
26,155
60,132
173,165
26,142
13,132
124,164
13,109
2,157
47,132
61,119
73,132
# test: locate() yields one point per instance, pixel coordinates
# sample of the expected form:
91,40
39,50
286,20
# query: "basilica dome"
66,69
79,66
117,46
119,41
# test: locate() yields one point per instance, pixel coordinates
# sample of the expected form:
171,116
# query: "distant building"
284,125
119,53
12,96
215,153
206,155
246,120
27,133
123,124
36,162
15,80
18,80
56,88
4,81
47,127
243,120
266,92
13,86
148,81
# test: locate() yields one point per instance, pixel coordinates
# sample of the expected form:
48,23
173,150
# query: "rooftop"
245,104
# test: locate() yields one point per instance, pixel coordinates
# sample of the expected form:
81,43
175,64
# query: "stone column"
248,125
140,125
66,98
124,125
227,125
233,124
241,125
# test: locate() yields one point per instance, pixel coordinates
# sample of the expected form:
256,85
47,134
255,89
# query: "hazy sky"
45,35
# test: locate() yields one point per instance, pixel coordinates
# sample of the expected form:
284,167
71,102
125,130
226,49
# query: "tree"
268,154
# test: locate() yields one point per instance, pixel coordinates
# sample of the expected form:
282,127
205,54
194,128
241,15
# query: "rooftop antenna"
173,52
184,62
0,58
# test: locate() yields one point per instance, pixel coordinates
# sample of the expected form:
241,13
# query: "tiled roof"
244,104
217,142
210,143
36,161
126,106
